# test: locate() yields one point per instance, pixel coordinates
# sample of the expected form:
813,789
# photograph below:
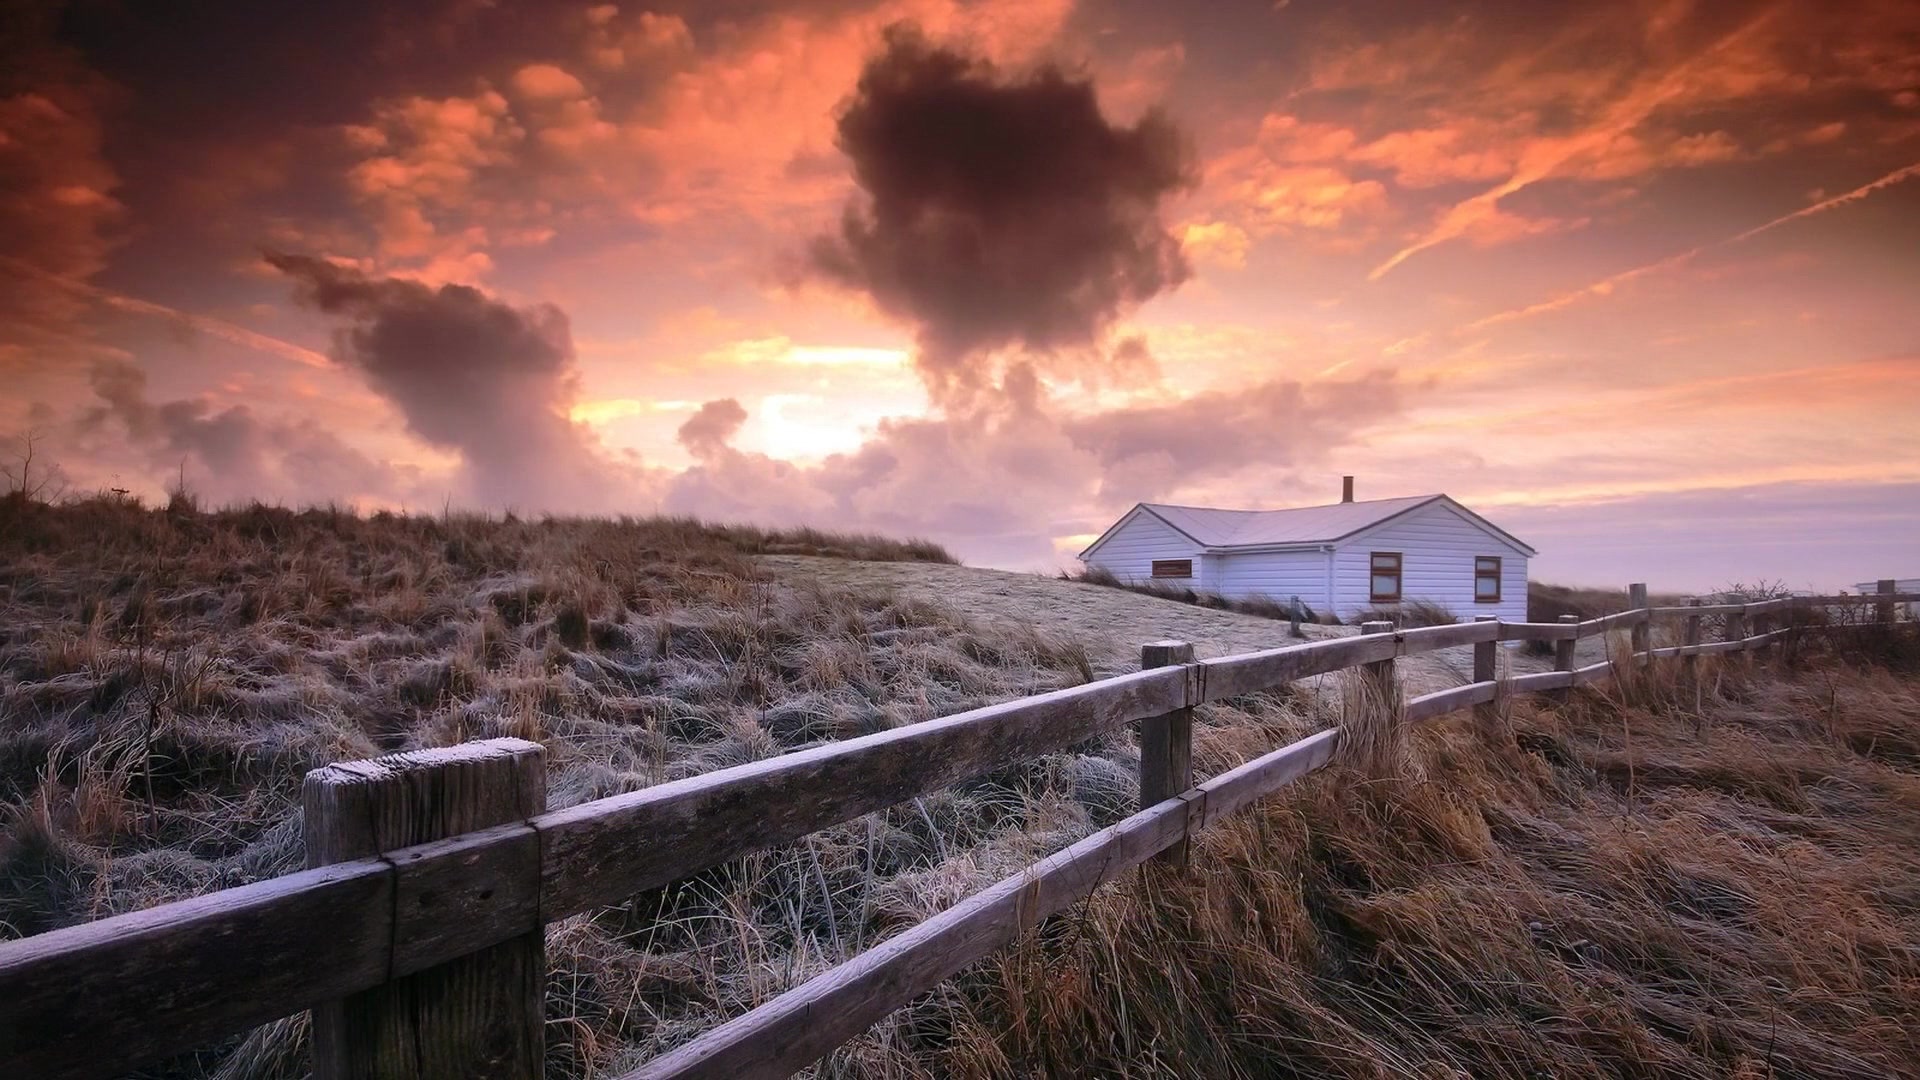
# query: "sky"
1640,282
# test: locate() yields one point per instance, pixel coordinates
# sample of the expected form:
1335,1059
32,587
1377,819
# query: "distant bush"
1411,614
1262,606
1546,603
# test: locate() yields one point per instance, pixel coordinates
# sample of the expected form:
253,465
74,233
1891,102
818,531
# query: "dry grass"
1625,887
1669,877
1263,606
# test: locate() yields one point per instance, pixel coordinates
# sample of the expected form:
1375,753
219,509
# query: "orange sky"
1639,281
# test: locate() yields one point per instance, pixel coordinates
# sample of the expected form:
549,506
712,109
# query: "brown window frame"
1186,566
1398,572
1494,574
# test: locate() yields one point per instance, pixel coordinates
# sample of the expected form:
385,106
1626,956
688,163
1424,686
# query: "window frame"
1154,570
1479,575
1398,573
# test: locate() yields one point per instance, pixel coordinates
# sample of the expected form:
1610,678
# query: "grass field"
1651,880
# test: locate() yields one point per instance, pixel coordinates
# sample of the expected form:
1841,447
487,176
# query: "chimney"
1346,489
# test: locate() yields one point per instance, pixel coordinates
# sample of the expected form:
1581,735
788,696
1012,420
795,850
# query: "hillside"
1635,882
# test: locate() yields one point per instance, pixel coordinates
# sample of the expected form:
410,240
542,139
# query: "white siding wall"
1129,553
1276,575
1438,547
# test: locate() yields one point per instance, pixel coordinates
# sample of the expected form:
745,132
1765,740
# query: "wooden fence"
415,936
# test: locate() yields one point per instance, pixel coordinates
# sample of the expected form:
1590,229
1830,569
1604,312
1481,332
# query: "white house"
1346,557
1900,585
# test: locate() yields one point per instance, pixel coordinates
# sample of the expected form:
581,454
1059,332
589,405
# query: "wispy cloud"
1605,286
202,324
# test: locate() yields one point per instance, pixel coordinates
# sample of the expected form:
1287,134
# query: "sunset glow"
1641,281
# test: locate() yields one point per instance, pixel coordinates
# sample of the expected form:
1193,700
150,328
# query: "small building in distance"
1900,585
1345,557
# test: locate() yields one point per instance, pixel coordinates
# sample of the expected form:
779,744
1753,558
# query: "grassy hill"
1637,882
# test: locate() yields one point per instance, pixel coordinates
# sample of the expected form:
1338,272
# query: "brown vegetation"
1264,606
1655,878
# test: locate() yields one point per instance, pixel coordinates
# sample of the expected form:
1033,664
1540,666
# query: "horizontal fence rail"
104,997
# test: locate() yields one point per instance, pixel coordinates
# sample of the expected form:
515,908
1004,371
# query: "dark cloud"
473,374
709,430
225,455
1001,210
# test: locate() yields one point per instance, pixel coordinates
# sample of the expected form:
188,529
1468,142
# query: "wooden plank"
602,852
1238,788
460,895
1565,630
1593,673
805,1023
1232,676
1544,680
1166,743
1886,588
481,1014
1428,638
102,998
1439,703
1855,599
1695,609
1614,621
798,1027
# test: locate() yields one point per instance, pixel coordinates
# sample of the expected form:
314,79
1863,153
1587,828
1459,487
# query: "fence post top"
1165,653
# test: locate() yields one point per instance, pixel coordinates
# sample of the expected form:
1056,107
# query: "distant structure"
1905,585
1345,557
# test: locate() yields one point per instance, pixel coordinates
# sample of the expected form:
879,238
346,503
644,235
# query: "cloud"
1606,286
475,375
1001,210
712,427
228,454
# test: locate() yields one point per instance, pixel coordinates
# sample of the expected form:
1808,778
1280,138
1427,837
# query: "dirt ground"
1114,623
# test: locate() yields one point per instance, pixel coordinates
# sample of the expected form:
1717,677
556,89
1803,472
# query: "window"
1385,576
1173,568
1486,579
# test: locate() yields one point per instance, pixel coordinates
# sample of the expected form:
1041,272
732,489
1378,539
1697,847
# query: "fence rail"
107,996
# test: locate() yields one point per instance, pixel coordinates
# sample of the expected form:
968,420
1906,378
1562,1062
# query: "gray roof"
1215,528
1302,525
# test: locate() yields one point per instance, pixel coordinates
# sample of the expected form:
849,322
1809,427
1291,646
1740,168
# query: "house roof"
1228,529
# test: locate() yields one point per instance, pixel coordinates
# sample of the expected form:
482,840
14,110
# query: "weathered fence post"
1690,661
1486,669
481,1015
1563,655
1642,631
1380,672
1166,744
1293,619
1737,627
1887,587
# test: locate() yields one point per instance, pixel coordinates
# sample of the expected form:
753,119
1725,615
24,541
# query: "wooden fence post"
1887,587
1380,672
482,1015
1563,655
1642,632
1737,627
1486,669
1166,744
1689,661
